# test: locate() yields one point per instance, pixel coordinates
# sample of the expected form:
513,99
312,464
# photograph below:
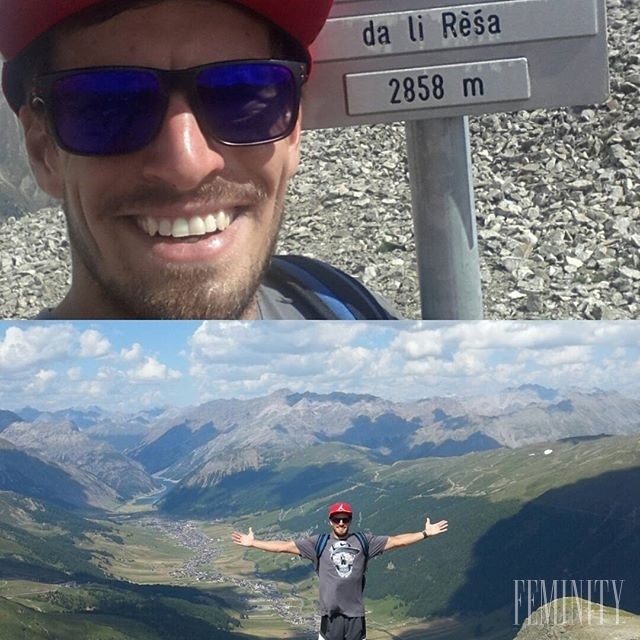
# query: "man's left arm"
405,539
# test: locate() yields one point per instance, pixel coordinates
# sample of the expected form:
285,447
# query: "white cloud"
572,354
92,388
93,344
22,349
498,335
505,374
250,359
44,375
240,342
74,374
152,399
406,360
153,371
419,344
463,364
541,335
106,373
132,354
41,380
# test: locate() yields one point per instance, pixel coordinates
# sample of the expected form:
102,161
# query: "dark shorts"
338,627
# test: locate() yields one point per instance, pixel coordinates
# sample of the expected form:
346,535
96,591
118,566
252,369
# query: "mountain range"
434,426
65,445
198,447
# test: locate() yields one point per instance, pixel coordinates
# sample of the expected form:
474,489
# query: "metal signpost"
432,63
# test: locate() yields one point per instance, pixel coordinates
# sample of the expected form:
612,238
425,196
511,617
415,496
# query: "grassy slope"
293,479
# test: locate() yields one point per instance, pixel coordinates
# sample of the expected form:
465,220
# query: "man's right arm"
273,546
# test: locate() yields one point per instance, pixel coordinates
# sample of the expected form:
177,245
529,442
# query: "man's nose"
181,156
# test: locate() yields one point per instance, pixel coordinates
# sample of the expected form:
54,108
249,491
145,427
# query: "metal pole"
444,218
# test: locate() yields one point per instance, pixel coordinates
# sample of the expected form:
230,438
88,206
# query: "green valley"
559,510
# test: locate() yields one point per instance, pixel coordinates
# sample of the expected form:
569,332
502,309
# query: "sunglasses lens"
248,103
107,112
114,111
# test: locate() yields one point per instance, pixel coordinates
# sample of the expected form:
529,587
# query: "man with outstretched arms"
169,130
340,559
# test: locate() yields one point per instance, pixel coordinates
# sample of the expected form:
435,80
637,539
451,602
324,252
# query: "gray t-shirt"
340,571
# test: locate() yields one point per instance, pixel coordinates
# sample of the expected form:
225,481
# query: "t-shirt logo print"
342,555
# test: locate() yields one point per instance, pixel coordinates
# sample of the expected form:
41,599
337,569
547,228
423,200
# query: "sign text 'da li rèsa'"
455,26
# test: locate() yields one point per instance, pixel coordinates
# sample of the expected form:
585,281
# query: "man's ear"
294,146
44,154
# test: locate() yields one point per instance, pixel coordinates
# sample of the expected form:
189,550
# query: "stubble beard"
341,536
181,292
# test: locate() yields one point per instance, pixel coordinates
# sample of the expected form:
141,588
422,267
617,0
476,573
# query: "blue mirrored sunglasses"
103,111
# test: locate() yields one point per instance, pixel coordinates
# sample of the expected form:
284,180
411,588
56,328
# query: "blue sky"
128,366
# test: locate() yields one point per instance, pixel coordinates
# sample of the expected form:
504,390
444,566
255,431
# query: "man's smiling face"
340,523
185,227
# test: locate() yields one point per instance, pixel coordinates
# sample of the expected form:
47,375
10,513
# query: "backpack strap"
321,543
324,291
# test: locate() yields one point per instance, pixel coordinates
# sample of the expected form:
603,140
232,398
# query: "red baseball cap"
23,21
340,507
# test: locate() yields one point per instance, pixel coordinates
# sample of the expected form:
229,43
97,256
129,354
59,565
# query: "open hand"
435,529
244,539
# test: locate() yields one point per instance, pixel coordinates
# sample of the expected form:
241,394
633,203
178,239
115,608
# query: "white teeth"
197,227
183,228
180,228
222,220
164,227
210,223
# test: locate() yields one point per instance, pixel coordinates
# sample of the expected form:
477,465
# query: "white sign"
454,84
384,60
465,26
